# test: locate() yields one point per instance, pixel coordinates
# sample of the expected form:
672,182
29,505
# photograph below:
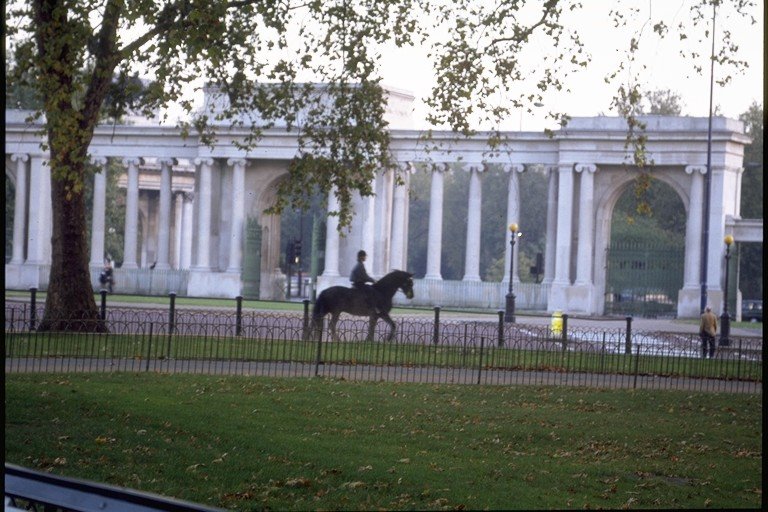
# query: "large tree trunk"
70,303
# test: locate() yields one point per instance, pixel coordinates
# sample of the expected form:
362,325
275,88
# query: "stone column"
332,238
382,222
398,258
19,207
204,213
474,214
435,236
238,214
178,213
98,214
163,261
564,226
131,213
39,201
187,217
716,253
551,235
693,227
369,229
585,256
513,215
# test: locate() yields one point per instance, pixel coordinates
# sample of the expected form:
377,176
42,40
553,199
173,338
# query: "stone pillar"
39,207
332,238
398,258
98,214
558,299
474,214
564,226
585,248
513,216
204,214
551,234
369,227
187,218
238,214
435,236
693,227
716,254
19,207
178,213
163,258
131,213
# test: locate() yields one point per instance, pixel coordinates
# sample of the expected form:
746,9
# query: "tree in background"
751,255
662,102
70,51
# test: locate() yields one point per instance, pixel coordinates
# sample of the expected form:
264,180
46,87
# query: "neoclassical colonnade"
187,205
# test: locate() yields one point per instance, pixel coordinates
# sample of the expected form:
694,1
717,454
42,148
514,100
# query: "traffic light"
538,269
290,254
297,250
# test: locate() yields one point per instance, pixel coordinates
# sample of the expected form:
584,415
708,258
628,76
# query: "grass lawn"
298,444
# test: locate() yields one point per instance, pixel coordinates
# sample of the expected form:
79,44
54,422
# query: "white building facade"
188,204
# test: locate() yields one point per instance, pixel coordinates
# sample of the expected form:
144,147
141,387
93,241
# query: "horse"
341,299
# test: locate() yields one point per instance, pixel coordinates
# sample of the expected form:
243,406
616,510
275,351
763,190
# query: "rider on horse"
360,278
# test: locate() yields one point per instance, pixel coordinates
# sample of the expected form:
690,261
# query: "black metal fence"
424,350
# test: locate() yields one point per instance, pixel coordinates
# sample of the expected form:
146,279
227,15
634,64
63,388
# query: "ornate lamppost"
509,313
725,319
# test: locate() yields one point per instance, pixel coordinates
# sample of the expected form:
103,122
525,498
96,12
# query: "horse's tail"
319,310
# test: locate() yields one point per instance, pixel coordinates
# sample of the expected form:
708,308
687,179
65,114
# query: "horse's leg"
316,332
371,326
392,326
332,326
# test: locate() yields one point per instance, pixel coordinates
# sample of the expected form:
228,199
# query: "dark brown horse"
340,299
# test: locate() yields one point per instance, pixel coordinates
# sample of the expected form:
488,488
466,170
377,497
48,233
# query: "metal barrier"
26,489
424,350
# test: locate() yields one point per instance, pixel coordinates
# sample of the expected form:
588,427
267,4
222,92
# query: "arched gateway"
195,202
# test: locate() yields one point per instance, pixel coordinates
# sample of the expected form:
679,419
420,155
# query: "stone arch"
262,178
616,185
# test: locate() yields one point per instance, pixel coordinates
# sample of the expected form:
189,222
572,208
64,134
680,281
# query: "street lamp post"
725,319
509,313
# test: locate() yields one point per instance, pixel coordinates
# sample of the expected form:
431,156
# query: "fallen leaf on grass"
298,482
354,485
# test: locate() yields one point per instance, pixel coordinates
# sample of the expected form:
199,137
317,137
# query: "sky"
409,69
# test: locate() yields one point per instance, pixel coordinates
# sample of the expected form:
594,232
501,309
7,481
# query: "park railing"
424,349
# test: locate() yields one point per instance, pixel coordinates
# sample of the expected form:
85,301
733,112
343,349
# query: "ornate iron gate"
643,280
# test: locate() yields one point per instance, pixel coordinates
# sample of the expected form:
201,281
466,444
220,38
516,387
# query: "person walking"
360,279
105,278
707,331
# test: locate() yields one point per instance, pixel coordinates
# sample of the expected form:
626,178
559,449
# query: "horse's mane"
394,278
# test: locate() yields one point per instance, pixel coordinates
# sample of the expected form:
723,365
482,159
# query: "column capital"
99,160
439,167
406,167
512,168
234,162
585,168
19,157
476,167
701,169
167,161
204,161
132,161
